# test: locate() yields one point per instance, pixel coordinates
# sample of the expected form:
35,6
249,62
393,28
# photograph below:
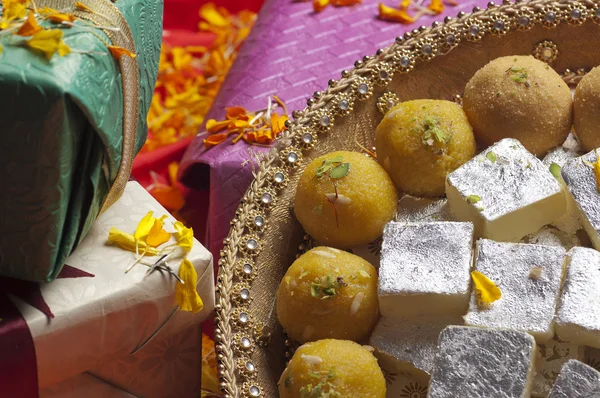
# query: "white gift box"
120,325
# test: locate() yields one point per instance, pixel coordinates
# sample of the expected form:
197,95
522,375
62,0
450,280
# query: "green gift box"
70,126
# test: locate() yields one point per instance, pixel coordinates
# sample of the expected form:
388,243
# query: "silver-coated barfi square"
529,277
483,363
411,342
578,313
582,184
576,380
506,192
425,268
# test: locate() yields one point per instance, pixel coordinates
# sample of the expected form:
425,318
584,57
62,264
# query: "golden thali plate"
434,63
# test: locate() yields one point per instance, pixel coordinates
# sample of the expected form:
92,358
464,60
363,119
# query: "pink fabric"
291,52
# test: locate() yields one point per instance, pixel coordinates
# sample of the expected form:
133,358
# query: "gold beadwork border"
287,152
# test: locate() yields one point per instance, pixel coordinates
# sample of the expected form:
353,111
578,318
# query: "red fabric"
183,14
18,363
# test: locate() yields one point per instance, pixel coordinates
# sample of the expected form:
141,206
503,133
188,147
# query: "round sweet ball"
344,199
419,142
332,368
328,293
519,97
586,110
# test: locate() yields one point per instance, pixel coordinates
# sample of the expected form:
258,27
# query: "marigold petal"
184,236
128,242
47,41
212,126
82,7
319,5
30,26
210,13
157,235
234,112
117,52
393,14
215,139
436,6
170,197
186,294
486,290
13,9
144,226
404,4
60,17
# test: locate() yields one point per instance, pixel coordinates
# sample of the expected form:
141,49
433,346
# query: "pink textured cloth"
291,52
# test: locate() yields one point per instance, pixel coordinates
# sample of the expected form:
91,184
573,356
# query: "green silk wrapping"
61,132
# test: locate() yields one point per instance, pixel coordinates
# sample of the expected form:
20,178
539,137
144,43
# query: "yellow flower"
486,290
186,295
144,226
157,235
210,13
184,236
49,42
12,9
61,17
30,26
128,242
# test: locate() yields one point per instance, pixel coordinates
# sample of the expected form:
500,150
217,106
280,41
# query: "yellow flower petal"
210,13
184,236
49,42
30,26
144,226
436,6
13,9
127,242
392,14
157,235
486,290
82,7
186,295
319,5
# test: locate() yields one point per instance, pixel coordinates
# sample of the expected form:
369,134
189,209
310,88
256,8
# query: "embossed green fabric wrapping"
61,127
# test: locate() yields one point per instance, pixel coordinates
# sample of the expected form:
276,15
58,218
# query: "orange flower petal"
436,6
234,112
392,14
404,4
60,18
30,26
319,5
215,139
157,235
212,126
170,197
278,123
117,52
341,3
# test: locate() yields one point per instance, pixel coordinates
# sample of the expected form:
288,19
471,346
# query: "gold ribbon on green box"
70,127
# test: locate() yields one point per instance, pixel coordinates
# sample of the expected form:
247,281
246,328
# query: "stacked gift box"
102,291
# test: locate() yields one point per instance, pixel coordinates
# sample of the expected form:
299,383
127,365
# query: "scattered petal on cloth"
186,294
49,42
30,26
128,242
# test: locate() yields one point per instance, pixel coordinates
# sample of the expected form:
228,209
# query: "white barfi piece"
583,186
576,380
411,342
425,268
578,313
553,355
413,209
552,236
483,363
506,192
555,160
529,278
